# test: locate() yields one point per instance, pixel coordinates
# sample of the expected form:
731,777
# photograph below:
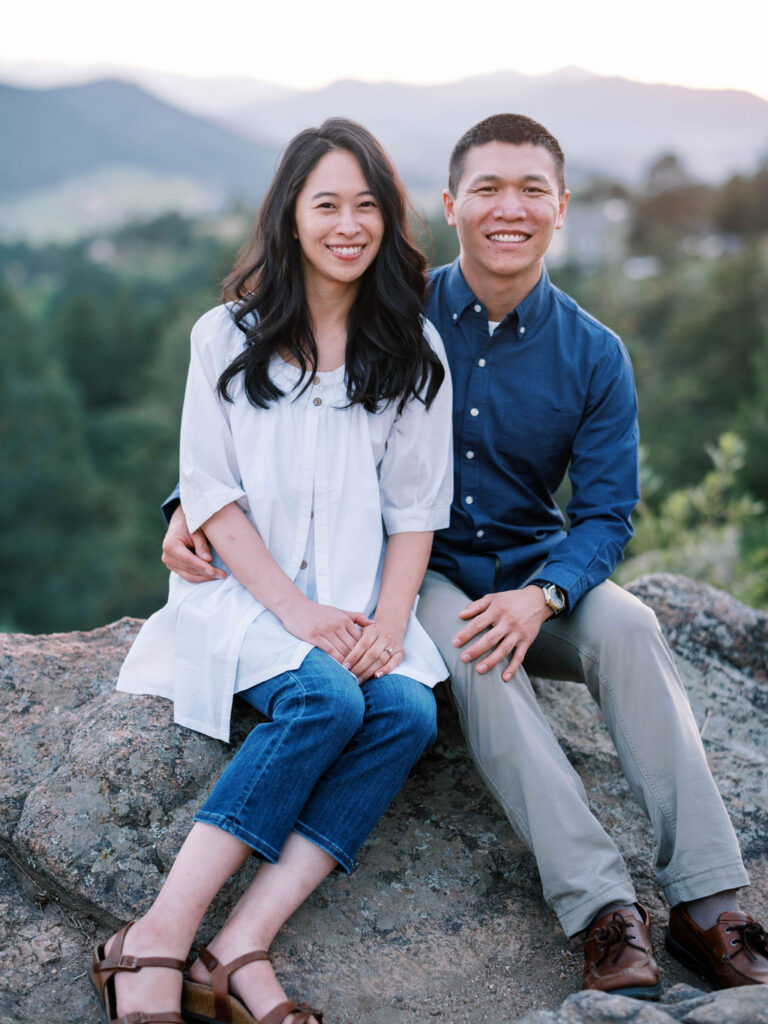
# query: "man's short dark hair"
516,129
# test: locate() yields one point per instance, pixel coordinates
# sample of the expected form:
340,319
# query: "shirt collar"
461,296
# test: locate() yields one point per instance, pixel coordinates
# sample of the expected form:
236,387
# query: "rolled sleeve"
416,473
170,504
209,477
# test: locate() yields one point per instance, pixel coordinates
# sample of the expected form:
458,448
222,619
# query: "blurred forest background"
95,346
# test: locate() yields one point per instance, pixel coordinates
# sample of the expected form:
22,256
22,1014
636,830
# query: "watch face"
554,597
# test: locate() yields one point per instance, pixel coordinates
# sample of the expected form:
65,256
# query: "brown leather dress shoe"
732,952
618,957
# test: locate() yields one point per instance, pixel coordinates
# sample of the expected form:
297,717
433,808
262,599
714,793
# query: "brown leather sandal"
105,967
214,1004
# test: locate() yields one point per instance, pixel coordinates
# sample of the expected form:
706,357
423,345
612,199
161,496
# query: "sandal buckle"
128,963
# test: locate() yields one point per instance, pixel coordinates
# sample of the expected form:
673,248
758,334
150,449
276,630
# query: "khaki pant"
612,643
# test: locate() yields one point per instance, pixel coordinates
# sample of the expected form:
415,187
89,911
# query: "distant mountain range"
52,135
171,135
611,125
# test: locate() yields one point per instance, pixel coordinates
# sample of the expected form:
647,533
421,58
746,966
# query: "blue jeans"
327,763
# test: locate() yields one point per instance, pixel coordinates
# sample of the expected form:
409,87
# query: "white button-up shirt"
316,480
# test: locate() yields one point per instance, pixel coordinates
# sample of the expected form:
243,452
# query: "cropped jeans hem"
256,843
344,859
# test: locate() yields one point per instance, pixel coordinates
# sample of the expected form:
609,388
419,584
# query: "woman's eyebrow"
319,195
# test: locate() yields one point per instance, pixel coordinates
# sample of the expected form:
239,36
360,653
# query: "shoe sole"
102,1008
198,1006
650,993
688,960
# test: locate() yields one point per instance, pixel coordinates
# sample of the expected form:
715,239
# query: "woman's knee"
408,706
324,693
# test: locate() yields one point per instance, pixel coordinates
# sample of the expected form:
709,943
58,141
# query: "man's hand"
512,619
378,651
188,554
329,629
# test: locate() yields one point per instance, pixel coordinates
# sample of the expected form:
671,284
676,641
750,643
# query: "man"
541,389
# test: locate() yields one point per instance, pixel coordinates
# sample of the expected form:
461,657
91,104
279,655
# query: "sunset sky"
672,41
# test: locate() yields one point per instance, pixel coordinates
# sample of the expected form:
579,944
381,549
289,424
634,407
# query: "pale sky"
310,44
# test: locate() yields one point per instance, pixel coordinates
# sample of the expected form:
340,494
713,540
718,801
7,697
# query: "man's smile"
508,236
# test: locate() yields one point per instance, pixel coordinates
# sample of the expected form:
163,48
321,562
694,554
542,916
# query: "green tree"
741,207
52,538
712,530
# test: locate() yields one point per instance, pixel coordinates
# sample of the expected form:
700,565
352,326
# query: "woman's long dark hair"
387,356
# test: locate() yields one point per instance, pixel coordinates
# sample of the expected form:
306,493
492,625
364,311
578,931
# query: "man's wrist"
555,597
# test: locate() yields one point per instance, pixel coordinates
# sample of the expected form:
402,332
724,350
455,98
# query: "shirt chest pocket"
534,438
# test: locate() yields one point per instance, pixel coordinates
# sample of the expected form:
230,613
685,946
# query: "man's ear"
563,203
448,207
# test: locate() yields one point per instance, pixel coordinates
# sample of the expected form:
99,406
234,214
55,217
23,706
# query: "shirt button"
455,316
481,362
522,330
470,455
474,412
468,500
317,401
477,307
311,515
480,533
303,565
316,380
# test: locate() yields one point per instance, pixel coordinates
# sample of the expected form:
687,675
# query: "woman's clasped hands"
365,647
330,629
378,651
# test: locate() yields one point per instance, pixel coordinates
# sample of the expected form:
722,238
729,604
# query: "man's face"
506,208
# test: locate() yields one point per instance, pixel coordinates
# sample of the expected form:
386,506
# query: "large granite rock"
443,914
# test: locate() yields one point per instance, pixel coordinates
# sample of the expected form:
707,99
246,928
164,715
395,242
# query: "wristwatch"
554,598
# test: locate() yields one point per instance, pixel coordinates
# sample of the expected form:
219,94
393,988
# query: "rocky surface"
680,1003
443,917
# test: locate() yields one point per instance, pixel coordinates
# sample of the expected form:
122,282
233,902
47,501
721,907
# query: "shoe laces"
752,939
615,936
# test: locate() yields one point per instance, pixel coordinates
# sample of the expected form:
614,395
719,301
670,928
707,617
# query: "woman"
316,406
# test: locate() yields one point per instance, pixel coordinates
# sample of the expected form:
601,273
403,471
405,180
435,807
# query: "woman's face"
338,222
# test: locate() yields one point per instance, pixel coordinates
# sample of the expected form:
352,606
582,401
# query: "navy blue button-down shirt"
550,392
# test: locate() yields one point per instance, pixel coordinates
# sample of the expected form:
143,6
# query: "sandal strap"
220,973
116,960
135,963
310,1011
278,1013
